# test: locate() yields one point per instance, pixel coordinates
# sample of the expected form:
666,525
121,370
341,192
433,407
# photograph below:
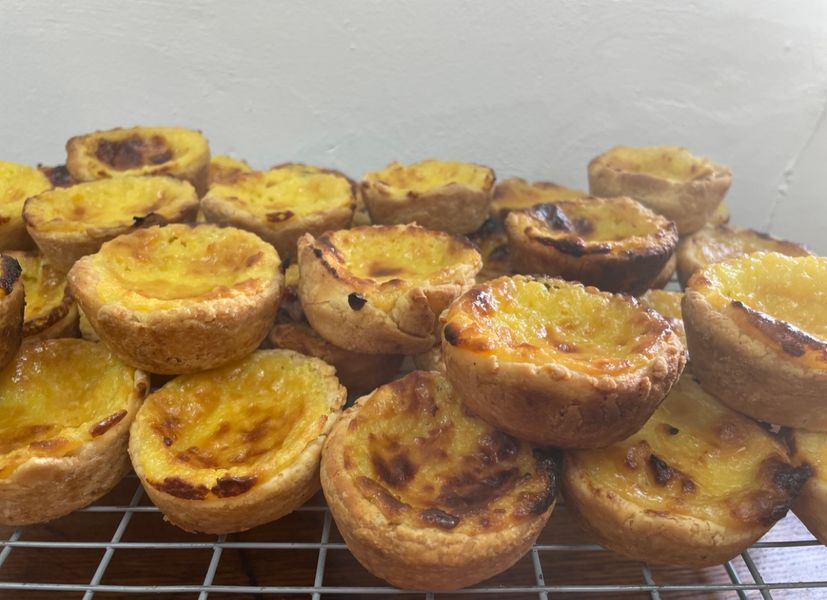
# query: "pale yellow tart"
411,477
696,485
516,193
17,183
67,406
238,446
810,451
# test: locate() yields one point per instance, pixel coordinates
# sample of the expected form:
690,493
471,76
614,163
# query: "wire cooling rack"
121,548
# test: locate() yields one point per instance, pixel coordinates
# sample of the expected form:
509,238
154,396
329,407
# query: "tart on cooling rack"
516,193
717,243
809,450
492,242
380,289
557,363
17,182
11,308
757,332
615,244
695,486
180,298
283,203
226,169
428,496
175,151
443,195
50,310
67,406
68,223
235,447
682,187
668,305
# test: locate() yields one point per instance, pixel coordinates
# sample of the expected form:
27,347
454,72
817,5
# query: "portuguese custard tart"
668,305
810,452
695,486
67,406
716,243
57,175
238,446
226,169
492,242
428,496
443,195
557,363
181,153
50,310
516,193
615,244
757,332
67,223
682,187
17,182
180,298
380,289
283,203
11,308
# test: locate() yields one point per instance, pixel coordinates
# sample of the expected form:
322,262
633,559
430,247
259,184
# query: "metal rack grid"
108,530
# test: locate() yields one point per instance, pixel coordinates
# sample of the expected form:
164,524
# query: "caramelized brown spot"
134,151
356,301
496,447
228,486
175,486
379,269
553,216
792,340
106,424
439,518
58,176
381,495
548,467
670,429
279,216
451,334
661,471
142,388
10,271
148,220
317,252
253,259
397,471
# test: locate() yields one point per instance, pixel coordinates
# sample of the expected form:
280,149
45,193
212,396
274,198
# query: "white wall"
531,88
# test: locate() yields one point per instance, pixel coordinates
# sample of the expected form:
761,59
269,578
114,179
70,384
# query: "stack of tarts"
266,298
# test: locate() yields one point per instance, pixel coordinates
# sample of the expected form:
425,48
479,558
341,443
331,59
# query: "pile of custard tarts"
440,352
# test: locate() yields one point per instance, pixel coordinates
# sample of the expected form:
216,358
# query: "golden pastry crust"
758,337
557,363
668,305
180,298
713,244
357,371
226,169
282,204
430,360
694,487
50,310
17,183
181,153
615,244
380,289
448,196
492,242
516,193
56,455
213,468
684,188
380,467
810,451
68,223
11,308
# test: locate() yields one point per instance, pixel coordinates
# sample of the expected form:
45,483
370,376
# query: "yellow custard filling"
666,162
601,219
720,243
428,175
44,286
18,182
811,448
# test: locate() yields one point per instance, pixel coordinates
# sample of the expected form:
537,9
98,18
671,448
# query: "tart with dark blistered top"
175,151
67,406
516,194
11,308
557,363
809,450
228,449
428,496
695,486
380,289
757,332
615,244
17,183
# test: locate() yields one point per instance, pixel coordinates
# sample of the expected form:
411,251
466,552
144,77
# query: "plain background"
531,88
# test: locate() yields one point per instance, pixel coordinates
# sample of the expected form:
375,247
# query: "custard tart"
516,193
615,244
694,487
810,452
443,195
238,446
181,153
283,203
428,496
68,223
670,180
226,169
67,406
17,182
717,243
180,298
11,308
557,363
380,289
668,305
50,310
757,332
